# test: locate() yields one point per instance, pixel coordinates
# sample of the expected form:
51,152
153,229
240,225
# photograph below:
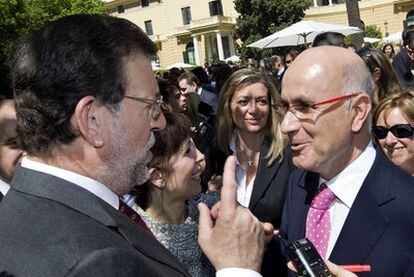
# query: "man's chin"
140,175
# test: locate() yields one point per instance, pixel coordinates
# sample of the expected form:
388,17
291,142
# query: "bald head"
326,91
330,67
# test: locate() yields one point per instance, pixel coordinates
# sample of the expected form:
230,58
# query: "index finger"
229,187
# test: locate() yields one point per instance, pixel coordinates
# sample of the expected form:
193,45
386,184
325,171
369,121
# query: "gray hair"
358,79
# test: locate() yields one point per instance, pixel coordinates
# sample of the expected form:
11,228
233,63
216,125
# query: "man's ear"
361,109
87,122
156,179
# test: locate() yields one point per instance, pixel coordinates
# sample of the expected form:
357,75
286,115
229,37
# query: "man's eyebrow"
297,100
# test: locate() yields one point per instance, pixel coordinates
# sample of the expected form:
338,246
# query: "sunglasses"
399,131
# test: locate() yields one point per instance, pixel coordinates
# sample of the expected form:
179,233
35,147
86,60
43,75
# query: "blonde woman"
248,128
394,129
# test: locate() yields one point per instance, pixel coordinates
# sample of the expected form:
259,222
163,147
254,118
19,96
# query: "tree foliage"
260,18
373,31
18,17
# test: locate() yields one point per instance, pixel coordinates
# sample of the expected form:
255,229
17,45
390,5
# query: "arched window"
410,18
189,56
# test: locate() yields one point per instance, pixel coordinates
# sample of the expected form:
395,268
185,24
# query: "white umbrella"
371,40
233,58
395,37
180,65
301,33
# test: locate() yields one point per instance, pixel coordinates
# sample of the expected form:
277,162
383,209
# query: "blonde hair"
225,124
403,101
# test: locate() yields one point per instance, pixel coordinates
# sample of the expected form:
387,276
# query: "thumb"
205,224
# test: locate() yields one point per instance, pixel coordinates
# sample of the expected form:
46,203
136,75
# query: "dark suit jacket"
51,227
269,187
402,66
379,228
209,97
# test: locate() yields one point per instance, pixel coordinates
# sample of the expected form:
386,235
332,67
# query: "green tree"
18,17
260,18
373,31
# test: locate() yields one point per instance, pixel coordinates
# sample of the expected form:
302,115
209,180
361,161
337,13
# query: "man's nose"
289,123
158,123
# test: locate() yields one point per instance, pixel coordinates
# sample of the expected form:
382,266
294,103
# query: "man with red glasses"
348,199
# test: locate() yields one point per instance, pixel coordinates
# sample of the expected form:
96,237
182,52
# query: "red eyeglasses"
304,111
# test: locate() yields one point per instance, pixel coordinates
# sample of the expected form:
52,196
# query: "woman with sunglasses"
167,202
393,128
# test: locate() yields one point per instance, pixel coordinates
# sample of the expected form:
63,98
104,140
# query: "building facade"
189,31
199,31
389,15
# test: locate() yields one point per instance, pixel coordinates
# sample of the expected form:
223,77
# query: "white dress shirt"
244,191
4,187
93,186
346,186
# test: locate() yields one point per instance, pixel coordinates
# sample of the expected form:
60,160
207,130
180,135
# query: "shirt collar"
347,184
233,146
93,186
199,90
4,187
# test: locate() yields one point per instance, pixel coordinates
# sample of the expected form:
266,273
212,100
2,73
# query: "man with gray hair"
347,198
87,105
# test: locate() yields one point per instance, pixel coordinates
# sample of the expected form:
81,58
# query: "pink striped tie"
318,222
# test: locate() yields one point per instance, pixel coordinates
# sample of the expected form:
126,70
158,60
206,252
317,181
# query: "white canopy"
371,40
179,65
301,33
233,58
395,37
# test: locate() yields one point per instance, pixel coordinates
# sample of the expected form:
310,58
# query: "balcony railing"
205,23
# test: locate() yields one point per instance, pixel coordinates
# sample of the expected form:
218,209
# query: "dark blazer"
269,187
379,228
51,227
402,66
210,97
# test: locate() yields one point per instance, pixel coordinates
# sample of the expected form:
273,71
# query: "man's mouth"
297,147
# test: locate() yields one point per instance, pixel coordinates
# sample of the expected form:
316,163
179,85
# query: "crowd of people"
108,170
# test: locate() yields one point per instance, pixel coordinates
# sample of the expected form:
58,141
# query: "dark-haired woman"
167,202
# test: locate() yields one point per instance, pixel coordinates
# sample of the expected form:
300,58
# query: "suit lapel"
307,189
77,198
263,178
365,223
144,242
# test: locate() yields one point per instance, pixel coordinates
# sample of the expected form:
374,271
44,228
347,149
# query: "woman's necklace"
250,162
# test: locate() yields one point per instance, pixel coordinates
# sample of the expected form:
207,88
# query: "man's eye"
303,108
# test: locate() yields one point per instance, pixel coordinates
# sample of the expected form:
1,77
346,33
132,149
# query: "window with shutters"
148,27
145,3
120,9
186,14
215,8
